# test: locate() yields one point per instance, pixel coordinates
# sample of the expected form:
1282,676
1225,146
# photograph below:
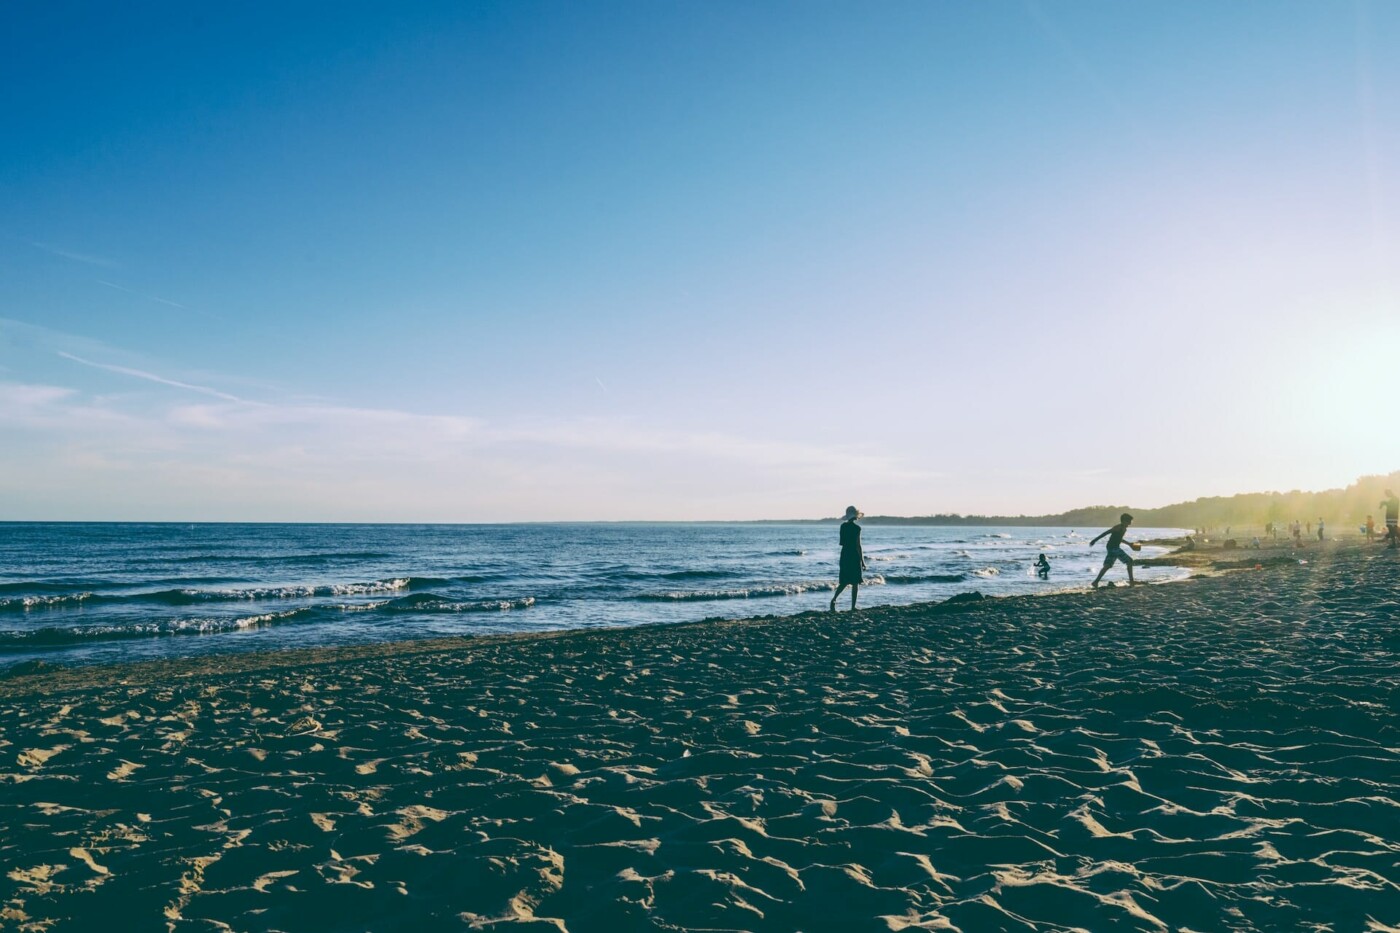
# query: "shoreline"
25,677
1222,753
348,590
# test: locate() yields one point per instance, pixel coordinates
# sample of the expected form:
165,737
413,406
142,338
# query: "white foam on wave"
266,618
44,602
438,604
759,591
297,591
379,586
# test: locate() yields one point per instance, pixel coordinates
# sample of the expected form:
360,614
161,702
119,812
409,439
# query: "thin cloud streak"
132,291
1081,64
161,380
75,257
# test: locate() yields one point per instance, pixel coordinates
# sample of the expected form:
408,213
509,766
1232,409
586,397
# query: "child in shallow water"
1042,568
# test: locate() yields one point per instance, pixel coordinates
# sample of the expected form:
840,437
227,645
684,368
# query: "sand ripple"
1217,754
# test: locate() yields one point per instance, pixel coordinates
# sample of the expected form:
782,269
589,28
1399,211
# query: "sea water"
84,593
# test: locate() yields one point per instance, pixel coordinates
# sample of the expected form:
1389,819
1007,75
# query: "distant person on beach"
1297,530
1115,548
1042,568
1370,529
852,557
1392,519
1321,529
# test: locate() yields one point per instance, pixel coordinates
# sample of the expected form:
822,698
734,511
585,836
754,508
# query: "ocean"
108,592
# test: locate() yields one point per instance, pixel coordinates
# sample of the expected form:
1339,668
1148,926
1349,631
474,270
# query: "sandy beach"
1221,753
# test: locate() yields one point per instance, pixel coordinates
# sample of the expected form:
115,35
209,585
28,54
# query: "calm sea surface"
84,593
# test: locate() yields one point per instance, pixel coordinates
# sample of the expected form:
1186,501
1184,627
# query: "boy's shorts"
1116,554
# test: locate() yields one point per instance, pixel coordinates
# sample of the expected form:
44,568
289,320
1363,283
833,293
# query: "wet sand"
1222,753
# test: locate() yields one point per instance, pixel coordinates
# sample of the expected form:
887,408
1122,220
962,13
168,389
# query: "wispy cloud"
19,395
132,291
87,258
231,458
38,406
203,451
624,436
152,377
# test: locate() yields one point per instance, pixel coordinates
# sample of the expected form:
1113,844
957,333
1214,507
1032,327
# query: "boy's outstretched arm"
1096,540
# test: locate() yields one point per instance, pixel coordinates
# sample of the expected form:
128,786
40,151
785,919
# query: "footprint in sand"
37,880
34,758
85,857
412,821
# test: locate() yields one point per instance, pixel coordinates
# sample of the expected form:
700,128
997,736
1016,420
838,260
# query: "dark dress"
850,554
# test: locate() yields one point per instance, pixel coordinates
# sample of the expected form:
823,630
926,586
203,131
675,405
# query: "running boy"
1115,548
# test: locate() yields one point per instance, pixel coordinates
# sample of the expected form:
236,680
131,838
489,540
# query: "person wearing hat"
1115,548
852,557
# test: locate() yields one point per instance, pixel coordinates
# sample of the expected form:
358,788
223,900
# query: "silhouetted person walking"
1115,548
852,557
1392,519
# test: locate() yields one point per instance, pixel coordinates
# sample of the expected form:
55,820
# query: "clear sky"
518,261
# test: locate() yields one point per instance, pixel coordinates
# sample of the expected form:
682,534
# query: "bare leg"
1100,576
836,595
855,589
1131,581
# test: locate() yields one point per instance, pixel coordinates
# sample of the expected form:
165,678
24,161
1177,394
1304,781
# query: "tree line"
1339,507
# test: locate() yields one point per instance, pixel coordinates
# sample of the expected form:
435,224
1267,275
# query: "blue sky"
472,261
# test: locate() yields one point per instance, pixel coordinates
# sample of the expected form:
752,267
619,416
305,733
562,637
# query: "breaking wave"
759,591
77,634
189,597
431,602
926,578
